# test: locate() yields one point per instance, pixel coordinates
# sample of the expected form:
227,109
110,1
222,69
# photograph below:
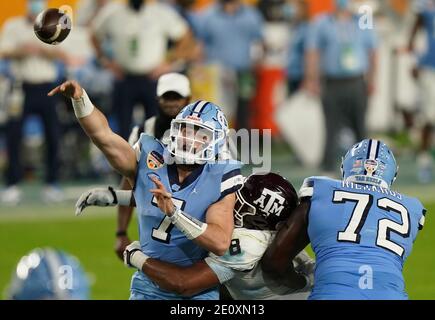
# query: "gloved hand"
305,265
100,197
133,255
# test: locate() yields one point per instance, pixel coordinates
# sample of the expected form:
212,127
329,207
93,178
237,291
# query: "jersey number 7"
385,226
163,232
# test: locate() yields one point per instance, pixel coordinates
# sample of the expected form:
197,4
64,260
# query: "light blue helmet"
198,133
370,162
48,274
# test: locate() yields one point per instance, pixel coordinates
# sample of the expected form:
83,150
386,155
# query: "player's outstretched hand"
70,89
163,197
100,197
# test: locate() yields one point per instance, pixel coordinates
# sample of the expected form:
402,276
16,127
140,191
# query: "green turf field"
91,238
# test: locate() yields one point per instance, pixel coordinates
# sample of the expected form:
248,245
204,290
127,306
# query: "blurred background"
319,74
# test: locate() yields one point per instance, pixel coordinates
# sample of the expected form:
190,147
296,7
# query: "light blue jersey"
361,235
159,239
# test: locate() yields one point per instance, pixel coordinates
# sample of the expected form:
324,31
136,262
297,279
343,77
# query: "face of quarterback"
194,139
171,103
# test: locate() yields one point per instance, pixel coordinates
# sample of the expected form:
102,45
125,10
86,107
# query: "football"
52,26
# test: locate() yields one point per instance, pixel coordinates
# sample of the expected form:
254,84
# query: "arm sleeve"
232,180
307,188
223,272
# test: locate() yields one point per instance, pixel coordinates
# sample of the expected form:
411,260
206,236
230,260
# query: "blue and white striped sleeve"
307,188
231,182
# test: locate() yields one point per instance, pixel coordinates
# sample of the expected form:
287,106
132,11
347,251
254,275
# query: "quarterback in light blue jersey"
361,231
184,194
206,185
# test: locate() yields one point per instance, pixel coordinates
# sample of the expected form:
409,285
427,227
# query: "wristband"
138,258
121,233
123,197
192,228
82,106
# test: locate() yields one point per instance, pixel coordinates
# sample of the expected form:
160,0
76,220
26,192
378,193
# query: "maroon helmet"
264,200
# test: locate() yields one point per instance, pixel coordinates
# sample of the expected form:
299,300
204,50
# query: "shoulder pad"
307,188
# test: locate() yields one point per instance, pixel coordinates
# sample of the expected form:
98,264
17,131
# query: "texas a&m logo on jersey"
270,202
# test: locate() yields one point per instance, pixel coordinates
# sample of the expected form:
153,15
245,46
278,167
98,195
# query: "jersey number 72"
385,226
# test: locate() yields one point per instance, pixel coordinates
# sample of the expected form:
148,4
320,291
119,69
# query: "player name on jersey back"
366,187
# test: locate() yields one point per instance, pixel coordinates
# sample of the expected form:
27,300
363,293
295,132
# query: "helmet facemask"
193,142
241,209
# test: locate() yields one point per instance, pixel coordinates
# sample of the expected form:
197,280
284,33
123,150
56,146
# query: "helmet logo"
270,202
370,166
194,118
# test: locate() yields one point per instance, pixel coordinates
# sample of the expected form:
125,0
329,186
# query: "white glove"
305,265
133,255
100,197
